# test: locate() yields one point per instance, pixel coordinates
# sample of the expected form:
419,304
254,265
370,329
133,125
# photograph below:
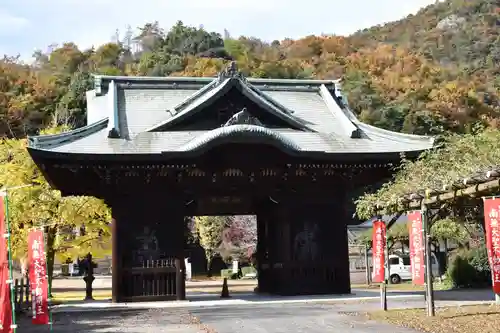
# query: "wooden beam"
471,190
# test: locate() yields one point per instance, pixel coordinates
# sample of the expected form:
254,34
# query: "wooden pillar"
180,278
261,252
287,240
116,264
148,240
318,244
172,238
343,271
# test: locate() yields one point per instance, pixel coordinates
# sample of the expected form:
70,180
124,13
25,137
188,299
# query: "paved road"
284,318
104,282
259,318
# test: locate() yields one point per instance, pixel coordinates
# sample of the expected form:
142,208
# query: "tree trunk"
24,266
209,266
445,244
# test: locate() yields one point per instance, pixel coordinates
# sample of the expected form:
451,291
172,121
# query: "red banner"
492,233
38,278
378,249
5,303
415,233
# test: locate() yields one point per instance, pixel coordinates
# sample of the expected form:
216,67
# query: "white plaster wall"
97,107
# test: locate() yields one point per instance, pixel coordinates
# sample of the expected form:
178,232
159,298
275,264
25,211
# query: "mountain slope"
455,33
430,73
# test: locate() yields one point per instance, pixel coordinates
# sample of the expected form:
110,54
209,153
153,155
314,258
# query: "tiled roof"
181,141
143,113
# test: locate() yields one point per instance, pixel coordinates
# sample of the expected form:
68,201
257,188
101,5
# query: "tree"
39,206
457,157
430,73
448,229
240,236
209,230
398,233
441,230
415,75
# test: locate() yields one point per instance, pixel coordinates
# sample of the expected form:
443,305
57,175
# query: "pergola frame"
473,186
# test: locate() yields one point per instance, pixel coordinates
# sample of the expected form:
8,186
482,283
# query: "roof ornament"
243,117
231,71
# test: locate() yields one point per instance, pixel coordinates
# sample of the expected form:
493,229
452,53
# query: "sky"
27,25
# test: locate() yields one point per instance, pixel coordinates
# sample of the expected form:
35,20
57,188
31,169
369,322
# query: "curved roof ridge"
245,133
269,98
268,103
53,140
198,93
369,129
349,126
220,87
99,79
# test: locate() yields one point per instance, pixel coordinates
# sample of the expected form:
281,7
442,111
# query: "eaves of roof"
46,142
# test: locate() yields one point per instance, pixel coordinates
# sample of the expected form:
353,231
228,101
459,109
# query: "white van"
400,268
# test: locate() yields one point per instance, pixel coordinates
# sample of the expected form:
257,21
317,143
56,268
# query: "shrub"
248,271
470,269
461,273
478,258
228,273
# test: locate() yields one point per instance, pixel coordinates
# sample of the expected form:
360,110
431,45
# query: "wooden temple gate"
289,151
301,220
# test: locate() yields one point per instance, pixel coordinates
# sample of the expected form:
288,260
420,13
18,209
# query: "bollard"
225,290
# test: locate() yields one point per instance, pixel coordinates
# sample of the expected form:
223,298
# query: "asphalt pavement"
229,318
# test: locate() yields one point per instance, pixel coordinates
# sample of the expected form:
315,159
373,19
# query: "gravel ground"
268,318
127,321
341,317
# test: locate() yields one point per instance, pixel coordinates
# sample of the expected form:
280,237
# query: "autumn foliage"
429,73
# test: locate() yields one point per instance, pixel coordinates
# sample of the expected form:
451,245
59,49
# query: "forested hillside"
432,72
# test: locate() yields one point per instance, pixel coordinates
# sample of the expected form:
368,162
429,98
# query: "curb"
99,307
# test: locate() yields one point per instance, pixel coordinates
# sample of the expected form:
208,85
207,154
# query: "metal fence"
22,295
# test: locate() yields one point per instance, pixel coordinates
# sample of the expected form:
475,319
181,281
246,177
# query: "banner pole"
11,278
428,263
387,273
49,299
383,285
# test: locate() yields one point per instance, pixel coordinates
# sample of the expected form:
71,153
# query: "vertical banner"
5,303
378,249
492,234
415,233
39,283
